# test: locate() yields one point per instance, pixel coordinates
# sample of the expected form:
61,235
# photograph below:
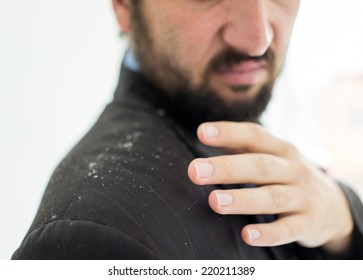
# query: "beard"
196,103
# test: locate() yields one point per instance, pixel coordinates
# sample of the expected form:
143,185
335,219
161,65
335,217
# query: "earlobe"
122,12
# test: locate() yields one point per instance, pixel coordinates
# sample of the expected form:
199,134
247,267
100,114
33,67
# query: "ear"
122,12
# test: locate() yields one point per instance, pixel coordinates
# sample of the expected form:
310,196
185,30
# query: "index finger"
245,136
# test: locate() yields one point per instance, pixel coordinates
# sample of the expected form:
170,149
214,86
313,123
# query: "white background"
59,63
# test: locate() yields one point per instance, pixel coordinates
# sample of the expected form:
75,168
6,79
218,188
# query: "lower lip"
246,73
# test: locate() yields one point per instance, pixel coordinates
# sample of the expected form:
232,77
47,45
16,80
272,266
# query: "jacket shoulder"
67,239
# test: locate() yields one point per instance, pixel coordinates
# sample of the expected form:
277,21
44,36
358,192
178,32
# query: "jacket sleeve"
67,239
356,207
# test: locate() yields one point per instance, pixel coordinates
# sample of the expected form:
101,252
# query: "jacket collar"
134,89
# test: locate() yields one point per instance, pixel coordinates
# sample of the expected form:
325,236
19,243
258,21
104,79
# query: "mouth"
246,73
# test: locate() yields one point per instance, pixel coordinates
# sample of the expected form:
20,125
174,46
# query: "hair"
134,4
135,9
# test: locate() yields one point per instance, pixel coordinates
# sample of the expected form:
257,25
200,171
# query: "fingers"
265,160
248,137
285,230
274,199
240,169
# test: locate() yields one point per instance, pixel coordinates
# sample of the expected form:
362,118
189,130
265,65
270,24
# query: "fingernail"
224,199
210,131
253,234
204,169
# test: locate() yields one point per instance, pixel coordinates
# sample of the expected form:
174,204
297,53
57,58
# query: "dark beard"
203,106
195,104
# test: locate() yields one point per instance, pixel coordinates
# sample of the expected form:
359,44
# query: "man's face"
218,58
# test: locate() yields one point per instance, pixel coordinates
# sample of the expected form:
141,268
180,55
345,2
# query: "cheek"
193,40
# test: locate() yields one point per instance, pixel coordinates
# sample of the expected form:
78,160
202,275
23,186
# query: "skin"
311,208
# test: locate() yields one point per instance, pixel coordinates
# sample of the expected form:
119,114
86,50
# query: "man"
125,191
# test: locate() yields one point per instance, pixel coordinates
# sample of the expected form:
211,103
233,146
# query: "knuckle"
291,149
256,133
286,233
279,199
275,238
229,168
263,166
305,171
291,232
248,202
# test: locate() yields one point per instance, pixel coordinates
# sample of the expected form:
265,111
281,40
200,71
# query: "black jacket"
123,192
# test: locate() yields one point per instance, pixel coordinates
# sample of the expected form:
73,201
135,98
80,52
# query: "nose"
248,28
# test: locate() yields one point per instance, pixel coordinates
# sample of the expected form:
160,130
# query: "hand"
312,209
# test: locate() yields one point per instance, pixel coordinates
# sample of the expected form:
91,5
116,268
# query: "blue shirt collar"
130,61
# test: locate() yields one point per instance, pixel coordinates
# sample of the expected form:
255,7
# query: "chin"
244,93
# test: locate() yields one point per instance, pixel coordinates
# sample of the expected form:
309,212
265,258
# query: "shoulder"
123,180
69,239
